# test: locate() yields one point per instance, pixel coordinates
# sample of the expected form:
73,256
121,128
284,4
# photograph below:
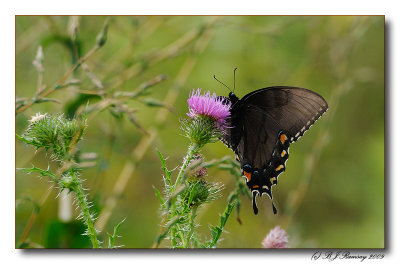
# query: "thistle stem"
85,213
192,225
193,148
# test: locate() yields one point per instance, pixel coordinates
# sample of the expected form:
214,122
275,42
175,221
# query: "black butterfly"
262,125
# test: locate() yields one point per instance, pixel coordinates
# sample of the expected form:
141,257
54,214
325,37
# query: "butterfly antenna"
234,79
222,83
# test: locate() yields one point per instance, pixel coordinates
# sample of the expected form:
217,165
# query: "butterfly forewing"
294,109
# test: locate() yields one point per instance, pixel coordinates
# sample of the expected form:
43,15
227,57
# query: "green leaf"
102,36
23,245
27,141
170,224
225,166
36,206
44,100
111,238
41,171
159,196
153,102
167,185
166,171
58,234
81,99
216,231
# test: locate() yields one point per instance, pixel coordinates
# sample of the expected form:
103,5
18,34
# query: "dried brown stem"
34,214
168,52
42,93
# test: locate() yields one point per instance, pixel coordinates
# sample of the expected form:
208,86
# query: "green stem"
183,240
193,148
173,237
176,230
87,217
191,233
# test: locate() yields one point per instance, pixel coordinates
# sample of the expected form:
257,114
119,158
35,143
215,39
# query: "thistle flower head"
208,118
199,191
209,106
276,238
53,132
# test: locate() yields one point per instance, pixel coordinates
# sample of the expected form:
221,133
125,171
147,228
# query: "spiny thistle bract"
201,191
208,118
54,132
198,188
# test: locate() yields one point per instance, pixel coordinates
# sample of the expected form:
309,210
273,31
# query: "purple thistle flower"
276,238
210,106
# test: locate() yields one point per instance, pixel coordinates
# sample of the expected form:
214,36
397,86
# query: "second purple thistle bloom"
210,106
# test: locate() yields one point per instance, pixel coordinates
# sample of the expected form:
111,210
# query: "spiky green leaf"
166,171
111,238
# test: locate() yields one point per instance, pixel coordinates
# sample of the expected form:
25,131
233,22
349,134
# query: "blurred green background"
332,193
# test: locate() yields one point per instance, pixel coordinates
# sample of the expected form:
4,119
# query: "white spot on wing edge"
245,178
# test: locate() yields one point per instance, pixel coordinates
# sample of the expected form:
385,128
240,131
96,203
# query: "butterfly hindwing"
262,126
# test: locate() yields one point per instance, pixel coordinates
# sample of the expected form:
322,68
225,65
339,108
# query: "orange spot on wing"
279,167
255,186
283,153
283,138
248,175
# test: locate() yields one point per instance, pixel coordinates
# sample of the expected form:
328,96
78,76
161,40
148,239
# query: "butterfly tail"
274,208
255,208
